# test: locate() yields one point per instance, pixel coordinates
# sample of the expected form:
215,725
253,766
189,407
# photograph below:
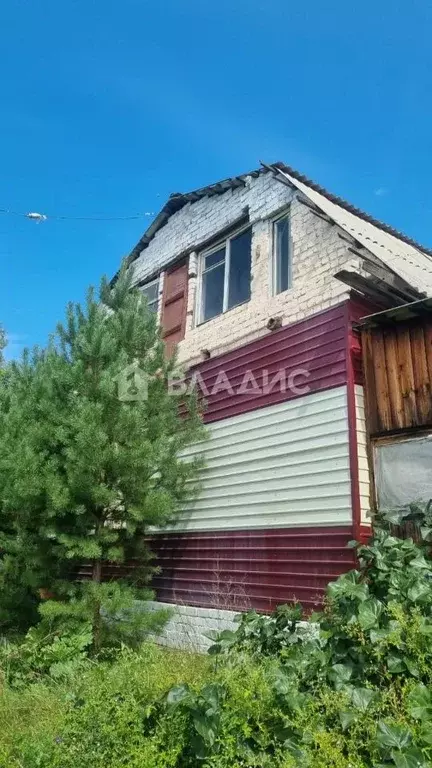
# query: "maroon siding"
317,345
250,569
357,308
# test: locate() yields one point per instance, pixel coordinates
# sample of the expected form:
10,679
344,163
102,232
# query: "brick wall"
317,253
189,627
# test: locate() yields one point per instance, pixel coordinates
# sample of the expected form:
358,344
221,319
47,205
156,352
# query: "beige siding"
284,465
364,482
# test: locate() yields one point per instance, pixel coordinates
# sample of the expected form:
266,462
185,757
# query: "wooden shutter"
174,305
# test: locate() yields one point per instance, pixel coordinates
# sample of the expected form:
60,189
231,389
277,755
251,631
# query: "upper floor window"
225,276
151,291
281,254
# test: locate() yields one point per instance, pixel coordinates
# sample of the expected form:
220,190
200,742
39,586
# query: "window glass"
403,472
221,291
214,258
151,291
282,254
239,269
213,291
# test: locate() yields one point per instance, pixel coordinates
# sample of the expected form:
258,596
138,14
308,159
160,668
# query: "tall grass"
98,710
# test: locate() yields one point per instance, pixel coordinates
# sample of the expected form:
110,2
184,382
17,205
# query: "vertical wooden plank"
392,368
369,383
406,375
427,328
382,388
421,374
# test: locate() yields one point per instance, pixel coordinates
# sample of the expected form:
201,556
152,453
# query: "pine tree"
89,460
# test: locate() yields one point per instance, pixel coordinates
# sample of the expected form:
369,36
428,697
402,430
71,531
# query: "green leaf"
412,667
410,758
203,727
339,674
282,684
420,703
346,719
294,750
362,697
395,664
369,613
352,544
177,694
425,734
214,650
212,693
393,516
418,592
376,635
393,735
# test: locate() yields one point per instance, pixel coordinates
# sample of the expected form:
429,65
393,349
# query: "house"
260,281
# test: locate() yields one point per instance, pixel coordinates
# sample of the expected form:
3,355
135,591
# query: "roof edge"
178,200
350,208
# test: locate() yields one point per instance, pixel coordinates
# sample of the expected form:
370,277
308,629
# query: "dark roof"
178,200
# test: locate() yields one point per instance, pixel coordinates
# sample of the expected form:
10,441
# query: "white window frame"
285,215
226,241
156,301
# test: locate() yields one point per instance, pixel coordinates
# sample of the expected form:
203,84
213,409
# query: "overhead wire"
39,217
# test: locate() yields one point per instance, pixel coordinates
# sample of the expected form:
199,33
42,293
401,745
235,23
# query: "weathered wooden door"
174,305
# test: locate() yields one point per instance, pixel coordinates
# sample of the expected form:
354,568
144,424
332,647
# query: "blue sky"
108,107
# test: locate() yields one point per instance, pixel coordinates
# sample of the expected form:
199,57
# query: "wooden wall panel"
397,362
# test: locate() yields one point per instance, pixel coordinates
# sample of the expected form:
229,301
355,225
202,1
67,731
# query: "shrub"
95,716
40,655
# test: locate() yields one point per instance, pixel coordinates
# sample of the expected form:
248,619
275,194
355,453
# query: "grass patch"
94,717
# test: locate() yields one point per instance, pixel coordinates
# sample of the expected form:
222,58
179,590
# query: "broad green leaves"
390,735
369,613
420,704
362,697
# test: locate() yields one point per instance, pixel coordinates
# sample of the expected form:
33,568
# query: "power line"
39,217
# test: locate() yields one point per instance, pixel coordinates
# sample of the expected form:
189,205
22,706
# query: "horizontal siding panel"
316,345
284,465
251,569
363,463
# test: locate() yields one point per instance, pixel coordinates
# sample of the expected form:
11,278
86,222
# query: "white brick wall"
317,253
189,626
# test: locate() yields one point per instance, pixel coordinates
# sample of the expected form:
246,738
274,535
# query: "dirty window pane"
151,291
403,472
212,291
282,255
240,269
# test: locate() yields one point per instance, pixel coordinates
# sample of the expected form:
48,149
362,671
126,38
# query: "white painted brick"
189,625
